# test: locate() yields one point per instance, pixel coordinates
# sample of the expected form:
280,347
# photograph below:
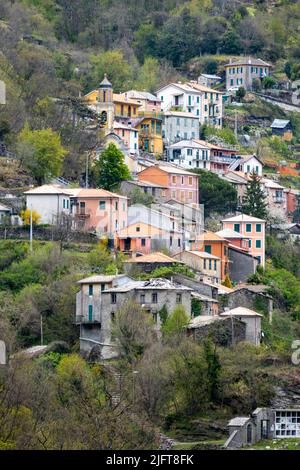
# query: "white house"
189,154
248,164
198,100
179,125
50,201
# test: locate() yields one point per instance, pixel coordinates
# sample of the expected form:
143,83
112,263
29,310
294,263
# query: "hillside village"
149,274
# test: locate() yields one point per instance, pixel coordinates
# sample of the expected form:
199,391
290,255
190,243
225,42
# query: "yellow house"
150,134
125,107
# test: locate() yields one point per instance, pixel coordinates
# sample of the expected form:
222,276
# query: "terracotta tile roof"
156,257
97,193
145,231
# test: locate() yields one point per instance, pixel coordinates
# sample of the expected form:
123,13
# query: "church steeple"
106,104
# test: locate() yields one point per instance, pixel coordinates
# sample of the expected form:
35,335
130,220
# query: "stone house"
242,72
222,330
96,314
252,320
157,191
205,263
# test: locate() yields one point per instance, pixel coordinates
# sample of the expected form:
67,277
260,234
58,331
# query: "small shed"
282,128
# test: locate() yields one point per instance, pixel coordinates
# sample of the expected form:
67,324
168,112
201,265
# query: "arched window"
104,117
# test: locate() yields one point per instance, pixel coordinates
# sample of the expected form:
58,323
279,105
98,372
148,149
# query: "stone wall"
46,234
222,331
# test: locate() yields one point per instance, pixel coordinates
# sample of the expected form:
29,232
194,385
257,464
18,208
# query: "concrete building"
182,185
129,135
157,191
179,125
247,164
101,297
209,266
147,101
252,228
263,423
210,242
276,198
209,80
189,154
198,100
252,320
222,330
242,72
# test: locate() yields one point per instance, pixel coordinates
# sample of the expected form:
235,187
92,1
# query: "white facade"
252,165
201,102
189,154
48,206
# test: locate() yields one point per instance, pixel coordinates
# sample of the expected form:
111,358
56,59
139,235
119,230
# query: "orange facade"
211,243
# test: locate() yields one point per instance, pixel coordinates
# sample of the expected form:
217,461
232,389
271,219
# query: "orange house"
182,185
212,243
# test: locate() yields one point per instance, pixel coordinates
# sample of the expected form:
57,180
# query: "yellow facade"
150,135
125,107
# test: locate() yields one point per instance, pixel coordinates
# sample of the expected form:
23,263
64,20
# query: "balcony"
86,319
82,215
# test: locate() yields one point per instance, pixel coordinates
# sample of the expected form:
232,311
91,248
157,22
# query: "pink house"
181,185
100,210
253,229
129,135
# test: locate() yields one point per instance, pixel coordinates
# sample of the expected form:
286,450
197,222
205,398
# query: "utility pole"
235,124
31,231
87,171
42,331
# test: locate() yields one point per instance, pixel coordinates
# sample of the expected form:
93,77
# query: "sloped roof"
203,88
100,279
145,231
239,421
4,208
156,257
52,189
202,320
228,233
280,123
249,61
200,254
213,146
172,170
211,236
188,143
122,99
243,218
207,75
97,193
240,312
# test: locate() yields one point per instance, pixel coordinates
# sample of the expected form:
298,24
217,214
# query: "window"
116,224
207,249
248,169
190,180
91,289
116,205
154,298
90,313
138,229
174,179
236,227
179,242
102,205
190,195
112,317
142,298
161,98
258,228
250,243
215,265
113,298
205,263
205,107
258,244
143,241
248,228
102,287
259,259
210,264
178,298
178,121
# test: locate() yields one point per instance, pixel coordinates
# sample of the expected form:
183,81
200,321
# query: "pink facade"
291,200
242,243
253,229
184,188
100,210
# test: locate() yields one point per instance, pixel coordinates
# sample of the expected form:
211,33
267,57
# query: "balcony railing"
88,319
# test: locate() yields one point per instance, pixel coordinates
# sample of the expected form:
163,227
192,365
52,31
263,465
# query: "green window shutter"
258,228
91,289
207,249
258,243
90,313
248,228
236,227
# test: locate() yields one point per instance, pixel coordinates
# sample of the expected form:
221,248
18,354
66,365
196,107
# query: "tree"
231,42
227,282
241,93
137,196
41,153
115,66
255,198
25,215
216,194
133,329
110,170
213,368
176,322
268,82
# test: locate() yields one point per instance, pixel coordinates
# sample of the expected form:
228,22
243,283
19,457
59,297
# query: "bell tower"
105,105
